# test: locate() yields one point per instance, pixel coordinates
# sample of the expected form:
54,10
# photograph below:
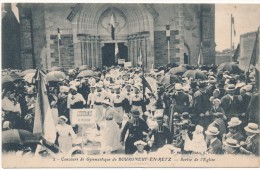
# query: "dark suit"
182,102
135,133
161,135
252,145
229,105
215,147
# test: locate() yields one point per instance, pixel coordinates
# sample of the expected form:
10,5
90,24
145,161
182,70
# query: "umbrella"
84,67
170,79
25,72
9,78
196,74
177,70
55,76
86,73
29,77
232,67
18,136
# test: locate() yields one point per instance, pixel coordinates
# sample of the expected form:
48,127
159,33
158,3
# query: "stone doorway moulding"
134,28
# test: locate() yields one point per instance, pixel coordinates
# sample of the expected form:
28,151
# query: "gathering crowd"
180,109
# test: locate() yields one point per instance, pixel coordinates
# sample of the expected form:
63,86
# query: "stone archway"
186,54
135,30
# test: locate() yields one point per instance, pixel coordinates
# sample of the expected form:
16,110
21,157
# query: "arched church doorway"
108,53
186,54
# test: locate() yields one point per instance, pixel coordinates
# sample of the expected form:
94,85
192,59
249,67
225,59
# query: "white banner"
121,61
83,116
128,64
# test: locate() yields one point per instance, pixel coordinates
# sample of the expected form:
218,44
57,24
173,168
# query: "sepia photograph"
127,84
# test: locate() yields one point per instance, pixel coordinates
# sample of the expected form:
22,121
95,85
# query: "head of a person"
233,125
92,89
7,93
230,146
242,92
230,89
159,120
62,120
135,114
212,132
203,85
106,103
117,89
73,90
140,145
216,102
136,90
252,129
216,93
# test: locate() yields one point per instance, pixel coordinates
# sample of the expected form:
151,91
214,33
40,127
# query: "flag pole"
59,47
231,39
256,39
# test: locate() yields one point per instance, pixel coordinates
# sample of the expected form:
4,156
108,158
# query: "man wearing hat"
127,91
181,98
213,143
231,146
136,128
233,130
219,123
251,145
230,102
161,134
201,102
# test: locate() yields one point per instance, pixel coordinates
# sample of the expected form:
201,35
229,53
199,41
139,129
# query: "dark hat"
135,113
202,84
159,117
185,115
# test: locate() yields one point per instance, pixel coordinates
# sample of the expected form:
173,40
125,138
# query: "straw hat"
63,118
230,87
252,128
212,131
231,143
234,121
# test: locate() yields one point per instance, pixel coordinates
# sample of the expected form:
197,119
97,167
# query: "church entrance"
108,53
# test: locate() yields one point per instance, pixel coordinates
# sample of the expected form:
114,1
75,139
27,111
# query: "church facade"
85,34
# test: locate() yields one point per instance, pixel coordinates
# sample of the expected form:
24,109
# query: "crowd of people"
147,111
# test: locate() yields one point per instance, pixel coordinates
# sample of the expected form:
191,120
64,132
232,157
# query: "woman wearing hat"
66,134
233,130
251,145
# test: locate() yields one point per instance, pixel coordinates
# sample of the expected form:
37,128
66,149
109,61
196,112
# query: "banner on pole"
83,116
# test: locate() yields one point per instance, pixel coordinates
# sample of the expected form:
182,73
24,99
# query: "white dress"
198,144
66,134
110,134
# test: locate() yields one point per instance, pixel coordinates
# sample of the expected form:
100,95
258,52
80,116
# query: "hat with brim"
212,131
216,100
234,121
185,115
74,149
230,87
252,128
159,118
135,113
73,88
140,142
231,143
106,102
63,118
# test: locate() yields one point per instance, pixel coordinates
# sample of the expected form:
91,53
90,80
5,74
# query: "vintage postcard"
149,84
